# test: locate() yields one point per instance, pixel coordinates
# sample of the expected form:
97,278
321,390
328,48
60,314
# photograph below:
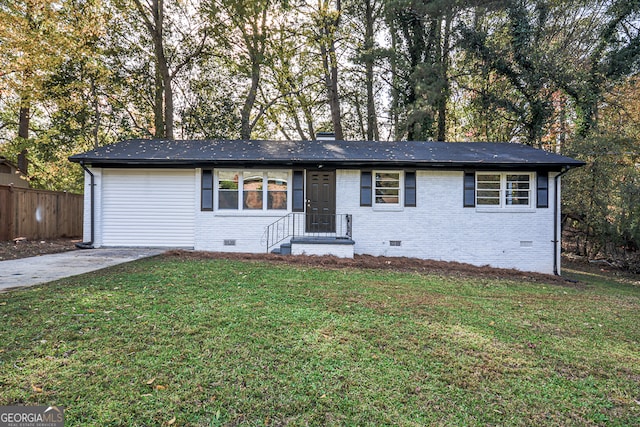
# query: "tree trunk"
97,116
25,117
444,93
157,10
394,84
158,105
163,75
372,119
168,106
330,64
245,114
24,114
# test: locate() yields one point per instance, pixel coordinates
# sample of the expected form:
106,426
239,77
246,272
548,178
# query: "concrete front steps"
340,247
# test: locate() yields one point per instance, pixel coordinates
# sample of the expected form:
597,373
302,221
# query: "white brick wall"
441,228
438,228
340,251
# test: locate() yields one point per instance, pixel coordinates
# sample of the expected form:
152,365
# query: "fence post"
12,214
6,213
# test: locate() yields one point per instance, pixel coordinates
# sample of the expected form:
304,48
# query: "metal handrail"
301,224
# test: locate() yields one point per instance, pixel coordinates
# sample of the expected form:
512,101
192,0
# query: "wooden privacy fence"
39,214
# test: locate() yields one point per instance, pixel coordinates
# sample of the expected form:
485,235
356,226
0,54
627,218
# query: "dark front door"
321,201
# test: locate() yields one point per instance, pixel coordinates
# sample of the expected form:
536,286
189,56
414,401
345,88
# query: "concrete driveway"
47,268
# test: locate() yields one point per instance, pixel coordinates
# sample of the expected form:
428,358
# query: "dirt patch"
403,264
30,248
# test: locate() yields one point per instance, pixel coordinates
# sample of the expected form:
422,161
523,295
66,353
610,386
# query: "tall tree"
244,30
174,50
366,18
31,42
420,60
327,24
519,57
607,52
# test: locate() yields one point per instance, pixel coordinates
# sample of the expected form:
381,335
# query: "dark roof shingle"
151,153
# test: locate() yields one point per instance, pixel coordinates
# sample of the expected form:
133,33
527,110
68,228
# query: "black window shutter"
410,189
365,188
207,190
298,191
542,192
469,189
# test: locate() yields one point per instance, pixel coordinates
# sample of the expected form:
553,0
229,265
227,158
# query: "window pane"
387,187
489,201
384,195
518,190
227,190
252,188
520,178
488,194
484,185
488,186
277,190
388,180
488,177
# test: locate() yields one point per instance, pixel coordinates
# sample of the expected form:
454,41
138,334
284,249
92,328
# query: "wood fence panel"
39,214
6,213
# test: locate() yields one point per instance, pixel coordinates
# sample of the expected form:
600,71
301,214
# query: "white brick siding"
339,250
439,228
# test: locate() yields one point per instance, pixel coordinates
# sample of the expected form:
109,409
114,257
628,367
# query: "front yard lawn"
167,341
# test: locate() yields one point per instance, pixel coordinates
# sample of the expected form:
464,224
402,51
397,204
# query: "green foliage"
79,74
602,198
420,57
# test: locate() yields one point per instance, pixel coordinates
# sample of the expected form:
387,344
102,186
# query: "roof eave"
333,163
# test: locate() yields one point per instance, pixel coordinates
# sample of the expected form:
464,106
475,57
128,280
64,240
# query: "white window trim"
251,212
503,207
387,206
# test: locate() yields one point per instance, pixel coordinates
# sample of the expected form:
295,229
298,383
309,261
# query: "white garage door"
148,207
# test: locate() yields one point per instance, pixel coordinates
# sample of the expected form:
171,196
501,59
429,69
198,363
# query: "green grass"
173,342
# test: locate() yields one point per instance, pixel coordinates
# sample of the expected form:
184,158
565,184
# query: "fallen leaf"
36,388
160,387
151,381
91,310
171,421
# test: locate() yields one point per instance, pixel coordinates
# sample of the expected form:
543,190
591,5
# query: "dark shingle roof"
154,153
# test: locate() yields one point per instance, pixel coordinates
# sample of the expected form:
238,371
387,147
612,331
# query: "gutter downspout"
89,245
556,209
